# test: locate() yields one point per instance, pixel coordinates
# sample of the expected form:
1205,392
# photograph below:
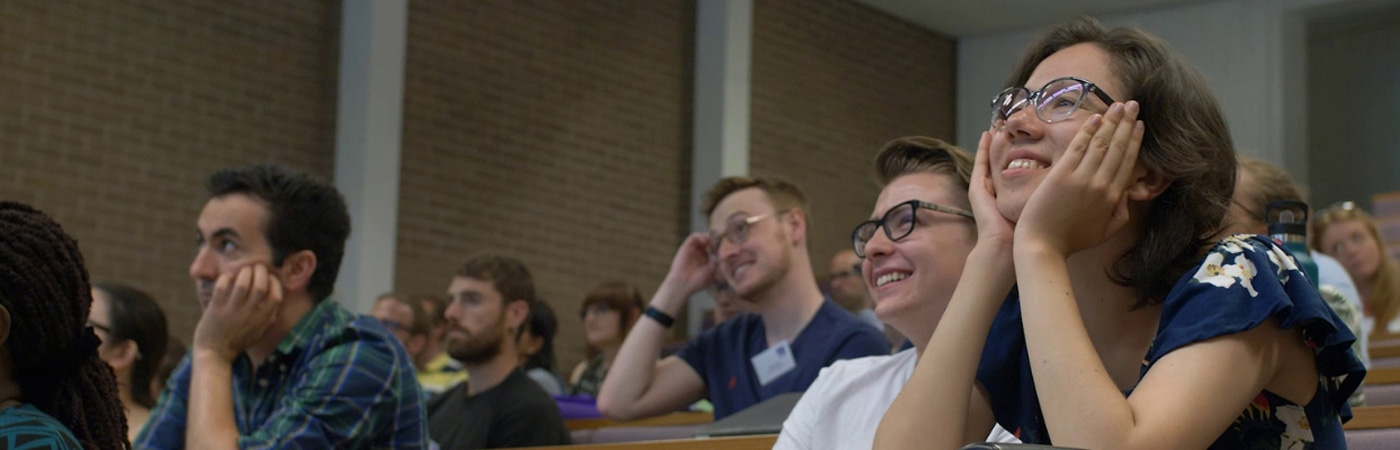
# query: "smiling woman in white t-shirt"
914,248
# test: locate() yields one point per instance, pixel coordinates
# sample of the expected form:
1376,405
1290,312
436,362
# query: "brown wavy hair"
1186,141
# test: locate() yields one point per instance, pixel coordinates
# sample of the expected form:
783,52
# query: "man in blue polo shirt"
758,245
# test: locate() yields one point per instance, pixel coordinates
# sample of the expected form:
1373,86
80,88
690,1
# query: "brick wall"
834,80
556,132
115,113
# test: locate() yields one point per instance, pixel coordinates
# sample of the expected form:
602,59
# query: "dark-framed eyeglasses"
898,222
1056,101
736,232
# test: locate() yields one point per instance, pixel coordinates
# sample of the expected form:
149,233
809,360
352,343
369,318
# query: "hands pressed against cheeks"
1083,200
994,231
244,304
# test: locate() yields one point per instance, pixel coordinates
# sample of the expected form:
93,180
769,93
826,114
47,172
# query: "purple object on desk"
577,407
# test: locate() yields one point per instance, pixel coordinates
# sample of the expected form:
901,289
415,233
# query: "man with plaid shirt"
275,362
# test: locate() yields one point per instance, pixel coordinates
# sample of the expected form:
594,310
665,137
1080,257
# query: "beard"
478,348
768,280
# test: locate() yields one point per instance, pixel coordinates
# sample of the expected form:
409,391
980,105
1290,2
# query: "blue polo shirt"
721,355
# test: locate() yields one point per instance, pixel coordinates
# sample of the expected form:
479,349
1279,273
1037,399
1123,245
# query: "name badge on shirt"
773,362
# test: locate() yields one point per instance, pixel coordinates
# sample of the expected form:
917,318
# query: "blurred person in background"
535,342
499,406
437,371
1349,234
406,320
133,332
608,312
848,289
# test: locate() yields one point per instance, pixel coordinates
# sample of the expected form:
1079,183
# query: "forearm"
211,424
932,409
630,376
1082,405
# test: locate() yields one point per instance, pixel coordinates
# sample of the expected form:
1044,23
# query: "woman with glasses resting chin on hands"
1096,193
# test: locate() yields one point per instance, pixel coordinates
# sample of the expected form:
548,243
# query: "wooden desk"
675,418
1382,376
1371,417
1387,350
761,442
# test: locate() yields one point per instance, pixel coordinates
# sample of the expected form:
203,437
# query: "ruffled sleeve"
1244,281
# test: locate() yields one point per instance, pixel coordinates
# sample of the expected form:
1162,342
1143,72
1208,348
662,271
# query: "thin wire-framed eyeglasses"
737,232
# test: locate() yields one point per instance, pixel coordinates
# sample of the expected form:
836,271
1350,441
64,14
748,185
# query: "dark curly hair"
44,286
304,213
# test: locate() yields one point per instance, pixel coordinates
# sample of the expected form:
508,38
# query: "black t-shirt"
516,413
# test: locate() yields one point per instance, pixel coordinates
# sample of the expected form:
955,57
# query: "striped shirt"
338,380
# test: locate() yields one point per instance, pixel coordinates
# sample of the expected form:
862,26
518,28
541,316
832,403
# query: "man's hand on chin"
244,304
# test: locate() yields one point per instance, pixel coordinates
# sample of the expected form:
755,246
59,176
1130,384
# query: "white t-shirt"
843,407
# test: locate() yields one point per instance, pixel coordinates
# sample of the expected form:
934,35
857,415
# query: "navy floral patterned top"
1243,281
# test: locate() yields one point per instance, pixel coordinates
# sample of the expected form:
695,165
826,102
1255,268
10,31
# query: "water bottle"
1288,223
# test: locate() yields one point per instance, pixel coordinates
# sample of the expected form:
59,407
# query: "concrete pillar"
369,126
723,44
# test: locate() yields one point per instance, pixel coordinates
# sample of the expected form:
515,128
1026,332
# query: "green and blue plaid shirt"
338,380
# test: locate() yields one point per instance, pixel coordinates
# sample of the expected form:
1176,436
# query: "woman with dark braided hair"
54,390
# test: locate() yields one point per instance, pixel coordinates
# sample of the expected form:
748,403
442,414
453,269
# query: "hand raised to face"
1083,200
244,304
993,229
693,267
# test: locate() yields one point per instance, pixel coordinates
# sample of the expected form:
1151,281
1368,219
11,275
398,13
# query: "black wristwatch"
660,317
